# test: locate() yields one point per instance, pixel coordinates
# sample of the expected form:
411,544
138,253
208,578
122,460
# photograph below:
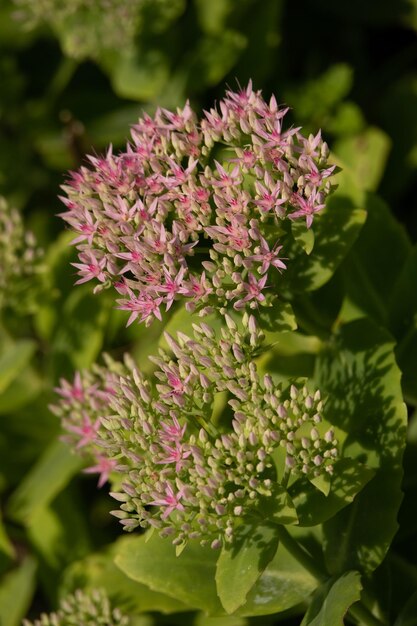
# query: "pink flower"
170,500
71,392
307,209
92,268
268,257
87,431
104,467
253,290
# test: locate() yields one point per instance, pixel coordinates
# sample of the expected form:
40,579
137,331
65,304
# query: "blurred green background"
73,77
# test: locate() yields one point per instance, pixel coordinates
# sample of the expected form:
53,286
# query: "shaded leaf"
16,593
44,481
189,578
99,571
359,374
314,507
332,600
241,563
13,360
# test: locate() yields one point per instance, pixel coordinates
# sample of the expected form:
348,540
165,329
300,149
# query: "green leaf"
16,593
249,554
189,578
203,620
309,272
372,269
13,360
138,73
279,318
332,600
408,615
99,571
59,532
366,155
283,584
303,235
314,507
44,481
361,379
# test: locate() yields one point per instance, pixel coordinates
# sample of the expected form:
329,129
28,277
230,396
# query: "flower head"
144,213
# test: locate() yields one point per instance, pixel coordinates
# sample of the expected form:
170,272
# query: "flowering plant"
219,449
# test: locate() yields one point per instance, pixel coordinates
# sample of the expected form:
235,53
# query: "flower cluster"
82,608
176,467
19,260
196,209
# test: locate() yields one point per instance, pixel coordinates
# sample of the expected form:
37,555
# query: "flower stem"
359,612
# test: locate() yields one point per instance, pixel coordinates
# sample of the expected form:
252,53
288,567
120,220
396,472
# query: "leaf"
13,360
314,507
408,615
303,235
361,379
279,318
99,571
138,73
248,555
44,481
189,578
371,270
366,154
203,620
283,584
335,230
332,600
16,593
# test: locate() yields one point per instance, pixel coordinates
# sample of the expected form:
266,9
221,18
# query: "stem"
358,611
364,615
300,554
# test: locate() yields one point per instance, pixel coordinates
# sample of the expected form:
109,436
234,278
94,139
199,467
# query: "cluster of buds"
199,210
94,24
19,260
173,465
83,608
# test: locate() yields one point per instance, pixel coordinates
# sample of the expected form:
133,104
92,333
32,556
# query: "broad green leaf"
332,600
7,550
278,318
403,323
335,230
314,507
303,235
189,578
371,270
283,584
59,532
25,387
212,16
44,481
241,563
80,334
16,592
203,620
366,155
214,56
14,358
358,374
99,571
138,73
408,616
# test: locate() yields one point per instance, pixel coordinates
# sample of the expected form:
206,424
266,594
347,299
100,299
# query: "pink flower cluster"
196,209
175,469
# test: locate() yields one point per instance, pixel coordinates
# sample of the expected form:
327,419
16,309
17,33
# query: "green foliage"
75,75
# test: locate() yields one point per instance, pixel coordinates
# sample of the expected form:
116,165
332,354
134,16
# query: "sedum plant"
232,465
